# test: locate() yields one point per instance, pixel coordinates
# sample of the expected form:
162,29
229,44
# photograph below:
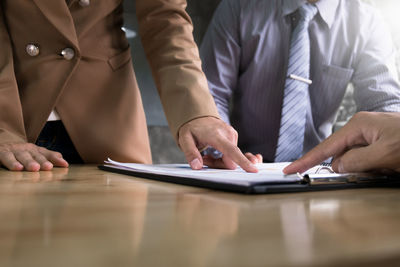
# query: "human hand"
257,158
209,131
369,141
29,157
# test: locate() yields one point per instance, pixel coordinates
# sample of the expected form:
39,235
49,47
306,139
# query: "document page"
267,172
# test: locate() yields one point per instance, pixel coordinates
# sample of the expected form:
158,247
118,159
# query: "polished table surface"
83,216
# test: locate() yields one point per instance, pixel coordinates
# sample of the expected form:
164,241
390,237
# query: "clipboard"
323,178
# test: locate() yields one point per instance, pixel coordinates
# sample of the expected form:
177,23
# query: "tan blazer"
84,71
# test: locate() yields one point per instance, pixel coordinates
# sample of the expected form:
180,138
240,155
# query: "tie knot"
307,12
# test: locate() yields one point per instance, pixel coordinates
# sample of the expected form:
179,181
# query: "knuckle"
7,147
361,115
57,154
234,133
221,139
183,136
232,137
230,130
42,150
31,147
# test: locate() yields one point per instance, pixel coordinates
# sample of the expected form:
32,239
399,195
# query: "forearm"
166,32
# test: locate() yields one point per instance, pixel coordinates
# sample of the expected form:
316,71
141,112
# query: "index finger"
332,146
233,153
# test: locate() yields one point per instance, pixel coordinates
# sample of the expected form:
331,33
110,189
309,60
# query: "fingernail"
18,166
47,166
33,166
195,164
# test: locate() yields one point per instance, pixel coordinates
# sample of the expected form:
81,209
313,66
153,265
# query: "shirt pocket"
121,59
328,89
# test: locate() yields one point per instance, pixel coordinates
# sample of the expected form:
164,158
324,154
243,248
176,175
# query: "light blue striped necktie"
296,98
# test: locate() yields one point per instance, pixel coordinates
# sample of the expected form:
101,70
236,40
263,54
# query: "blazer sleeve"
11,119
166,32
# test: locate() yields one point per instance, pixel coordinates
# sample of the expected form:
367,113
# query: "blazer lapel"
57,12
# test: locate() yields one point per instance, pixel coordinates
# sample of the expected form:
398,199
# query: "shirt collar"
326,8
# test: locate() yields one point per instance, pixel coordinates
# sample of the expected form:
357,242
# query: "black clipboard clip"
324,175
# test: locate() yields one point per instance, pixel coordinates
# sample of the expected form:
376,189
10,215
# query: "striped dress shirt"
245,54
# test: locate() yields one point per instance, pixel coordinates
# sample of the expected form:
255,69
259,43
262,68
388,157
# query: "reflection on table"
82,216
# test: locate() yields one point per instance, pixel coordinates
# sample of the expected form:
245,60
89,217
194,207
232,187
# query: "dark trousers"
54,137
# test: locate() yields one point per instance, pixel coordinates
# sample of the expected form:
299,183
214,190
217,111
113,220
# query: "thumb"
192,154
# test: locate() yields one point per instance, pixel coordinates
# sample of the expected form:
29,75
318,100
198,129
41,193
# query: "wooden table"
82,216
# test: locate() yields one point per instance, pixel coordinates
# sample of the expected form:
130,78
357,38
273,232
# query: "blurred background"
163,146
